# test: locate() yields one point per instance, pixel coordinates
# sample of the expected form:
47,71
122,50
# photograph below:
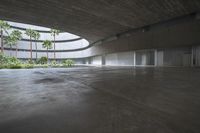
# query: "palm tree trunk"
47,56
31,48
10,50
16,50
36,49
2,41
54,47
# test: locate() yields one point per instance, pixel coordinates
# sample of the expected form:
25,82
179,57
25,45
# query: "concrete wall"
141,58
145,58
196,56
120,59
172,41
160,56
156,57
174,57
166,35
97,60
177,57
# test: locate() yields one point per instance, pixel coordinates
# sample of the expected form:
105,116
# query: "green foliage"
14,63
14,60
54,32
53,62
30,33
13,38
15,66
16,34
41,66
42,60
3,58
10,41
9,62
30,62
47,44
27,66
68,63
36,35
4,26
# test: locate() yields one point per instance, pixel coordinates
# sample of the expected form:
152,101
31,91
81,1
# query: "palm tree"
10,41
36,36
4,26
30,33
17,35
54,32
48,45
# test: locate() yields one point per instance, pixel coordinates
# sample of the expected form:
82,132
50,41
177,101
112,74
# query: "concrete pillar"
103,62
193,56
155,58
134,58
90,60
83,61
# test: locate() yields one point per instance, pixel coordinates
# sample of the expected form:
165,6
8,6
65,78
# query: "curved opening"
63,41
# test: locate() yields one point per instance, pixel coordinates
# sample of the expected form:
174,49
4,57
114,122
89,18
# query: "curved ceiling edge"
116,36
41,31
27,50
57,41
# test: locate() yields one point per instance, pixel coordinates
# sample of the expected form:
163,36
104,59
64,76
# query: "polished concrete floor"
100,100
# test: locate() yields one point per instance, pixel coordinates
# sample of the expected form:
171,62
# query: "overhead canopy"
95,19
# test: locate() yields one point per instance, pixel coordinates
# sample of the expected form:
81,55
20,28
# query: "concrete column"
155,58
134,58
84,61
193,56
103,62
90,60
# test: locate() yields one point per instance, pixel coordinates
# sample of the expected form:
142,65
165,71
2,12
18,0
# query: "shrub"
28,66
3,59
13,61
15,66
68,63
42,60
9,62
53,62
30,62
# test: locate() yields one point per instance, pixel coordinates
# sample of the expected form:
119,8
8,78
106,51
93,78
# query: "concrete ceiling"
95,19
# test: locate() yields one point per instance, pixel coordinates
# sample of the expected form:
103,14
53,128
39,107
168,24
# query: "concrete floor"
100,100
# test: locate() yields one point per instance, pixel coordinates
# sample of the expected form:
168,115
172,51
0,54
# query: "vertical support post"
54,47
103,62
31,48
193,56
90,60
36,50
2,47
155,58
134,58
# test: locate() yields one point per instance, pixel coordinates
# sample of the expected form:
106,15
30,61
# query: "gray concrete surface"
95,20
100,100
